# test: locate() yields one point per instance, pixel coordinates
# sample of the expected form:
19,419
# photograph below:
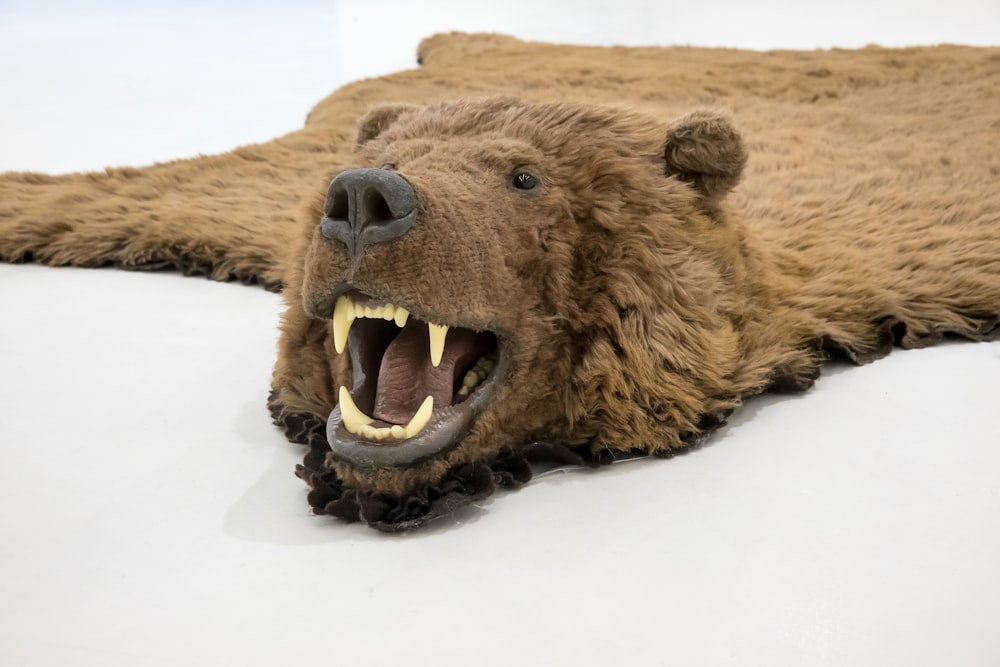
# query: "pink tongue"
407,376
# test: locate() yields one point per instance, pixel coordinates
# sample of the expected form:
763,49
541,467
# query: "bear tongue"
406,376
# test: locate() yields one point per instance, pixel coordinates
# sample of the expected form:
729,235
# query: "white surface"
149,512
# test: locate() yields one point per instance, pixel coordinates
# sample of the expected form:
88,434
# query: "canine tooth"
420,419
343,316
437,335
402,314
353,419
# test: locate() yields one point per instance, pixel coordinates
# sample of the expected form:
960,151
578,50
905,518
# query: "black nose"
365,206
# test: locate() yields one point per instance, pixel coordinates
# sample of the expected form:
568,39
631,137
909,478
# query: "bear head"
492,273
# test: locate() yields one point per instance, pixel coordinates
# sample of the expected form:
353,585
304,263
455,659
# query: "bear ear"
705,149
379,118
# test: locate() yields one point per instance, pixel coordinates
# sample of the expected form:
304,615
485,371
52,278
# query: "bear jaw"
381,421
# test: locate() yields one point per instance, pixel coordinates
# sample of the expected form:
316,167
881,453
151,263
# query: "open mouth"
417,386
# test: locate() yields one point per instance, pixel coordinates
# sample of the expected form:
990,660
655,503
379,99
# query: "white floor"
856,525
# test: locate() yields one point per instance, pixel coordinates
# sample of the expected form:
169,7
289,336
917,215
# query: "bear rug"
522,251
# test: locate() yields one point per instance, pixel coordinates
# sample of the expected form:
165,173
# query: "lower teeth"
477,375
358,423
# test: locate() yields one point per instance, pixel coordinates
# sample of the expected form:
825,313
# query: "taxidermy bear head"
491,274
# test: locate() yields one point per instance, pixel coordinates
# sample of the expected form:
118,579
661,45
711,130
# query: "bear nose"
365,206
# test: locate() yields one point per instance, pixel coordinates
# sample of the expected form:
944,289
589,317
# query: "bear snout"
366,206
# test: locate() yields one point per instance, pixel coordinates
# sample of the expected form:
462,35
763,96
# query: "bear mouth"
417,386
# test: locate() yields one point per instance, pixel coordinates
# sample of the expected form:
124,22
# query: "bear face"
490,273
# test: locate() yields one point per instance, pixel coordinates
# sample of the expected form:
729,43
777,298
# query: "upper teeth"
346,311
353,419
437,333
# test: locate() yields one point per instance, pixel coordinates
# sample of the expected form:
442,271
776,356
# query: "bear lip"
391,377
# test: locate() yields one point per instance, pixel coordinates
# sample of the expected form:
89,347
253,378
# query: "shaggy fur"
661,272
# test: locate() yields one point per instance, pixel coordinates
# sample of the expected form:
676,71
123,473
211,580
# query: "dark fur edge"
891,331
188,265
463,485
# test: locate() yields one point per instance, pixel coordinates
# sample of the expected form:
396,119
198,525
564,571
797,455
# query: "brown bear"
484,281
578,284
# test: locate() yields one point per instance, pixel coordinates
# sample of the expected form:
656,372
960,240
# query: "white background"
149,512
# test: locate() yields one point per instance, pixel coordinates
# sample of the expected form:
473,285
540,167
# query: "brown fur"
643,295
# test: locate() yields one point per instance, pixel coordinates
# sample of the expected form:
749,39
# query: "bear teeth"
358,423
437,335
476,375
346,311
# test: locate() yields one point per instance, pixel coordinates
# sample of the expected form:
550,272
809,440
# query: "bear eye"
524,181
389,166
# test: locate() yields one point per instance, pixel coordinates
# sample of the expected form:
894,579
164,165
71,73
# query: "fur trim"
462,485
